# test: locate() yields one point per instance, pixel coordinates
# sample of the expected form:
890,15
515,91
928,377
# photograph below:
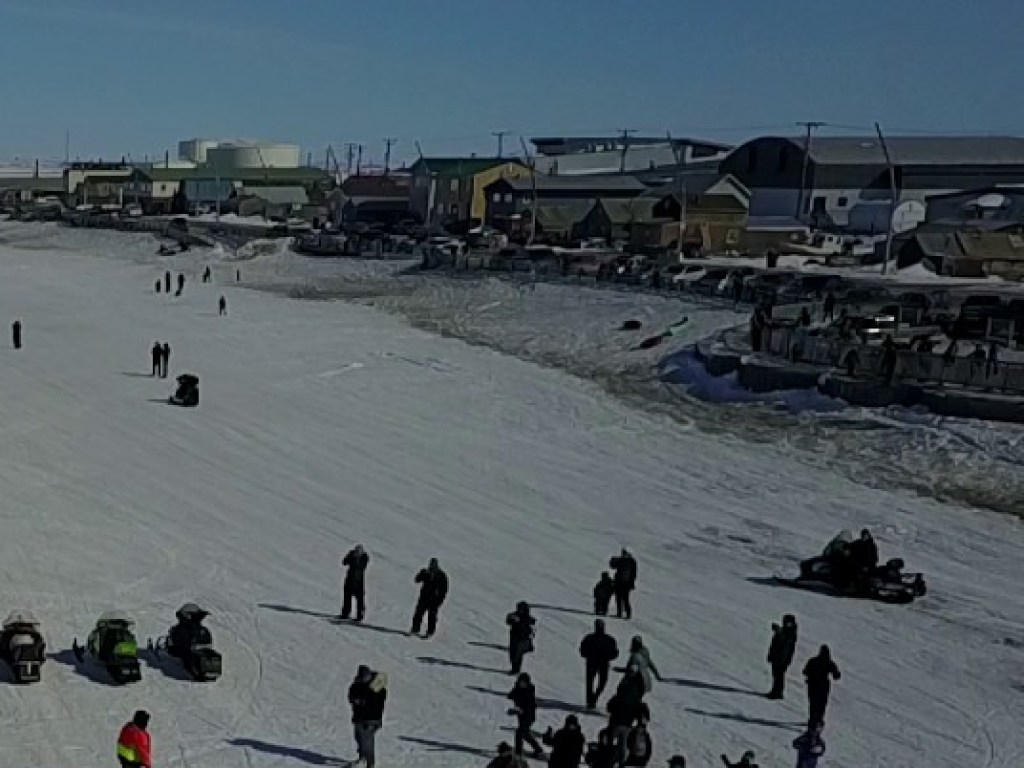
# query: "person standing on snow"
156,355
747,761
506,758
603,591
524,697
165,359
639,744
625,582
354,588
367,695
863,553
134,746
780,653
222,306
599,650
567,744
819,673
16,334
167,282
624,709
433,591
809,748
520,635
181,284
640,657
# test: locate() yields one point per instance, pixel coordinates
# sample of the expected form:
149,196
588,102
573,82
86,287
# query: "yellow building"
448,189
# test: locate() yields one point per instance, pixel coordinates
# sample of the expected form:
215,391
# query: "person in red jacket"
134,748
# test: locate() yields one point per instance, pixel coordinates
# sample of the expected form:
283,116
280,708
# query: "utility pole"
500,136
388,143
67,148
808,126
678,152
892,199
350,153
626,132
359,158
533,185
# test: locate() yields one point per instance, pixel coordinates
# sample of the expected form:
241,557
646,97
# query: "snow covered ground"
325,423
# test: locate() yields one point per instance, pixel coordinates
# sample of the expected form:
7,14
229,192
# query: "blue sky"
134,76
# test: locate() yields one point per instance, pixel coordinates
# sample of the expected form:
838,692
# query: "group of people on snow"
160,356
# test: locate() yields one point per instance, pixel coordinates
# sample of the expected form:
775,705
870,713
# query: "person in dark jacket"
603,591
524,699
367,695
567,744
819,673
222,306
747,761
520,635
625,582
624,709
599,650
602,753
639,745
167,282
433,591
157,356
354,587
165,359
181,284
809,748
780,653
16,334
158,286
863,553
207,276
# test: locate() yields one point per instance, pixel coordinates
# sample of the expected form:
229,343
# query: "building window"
732,237
440,208
455,209
496,197
454,185
842,202
508,197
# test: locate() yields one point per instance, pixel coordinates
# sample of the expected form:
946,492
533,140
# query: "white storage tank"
253,155
194,150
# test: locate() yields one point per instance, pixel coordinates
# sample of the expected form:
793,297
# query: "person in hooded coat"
781,652
602,753
809,748
433,591
367,696
156,355
524,697
625,569
567,744
819,673
863,553
520,635
624,709
603,591
640,657
599,650
354,587
639,744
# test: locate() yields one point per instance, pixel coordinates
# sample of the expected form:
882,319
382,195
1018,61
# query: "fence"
797,345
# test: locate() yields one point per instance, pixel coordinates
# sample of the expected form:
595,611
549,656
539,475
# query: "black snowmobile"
22,647
886,583
191,643
112,643
187,394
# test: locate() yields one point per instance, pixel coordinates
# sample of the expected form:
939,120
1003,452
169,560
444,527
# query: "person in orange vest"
134,748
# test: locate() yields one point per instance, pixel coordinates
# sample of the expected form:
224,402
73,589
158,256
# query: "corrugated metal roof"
279,195
32,184
583,184
916,150
459,166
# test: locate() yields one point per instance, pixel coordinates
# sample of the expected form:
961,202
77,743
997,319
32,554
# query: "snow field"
323,424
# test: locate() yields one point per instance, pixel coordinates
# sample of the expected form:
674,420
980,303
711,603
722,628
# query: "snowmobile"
190,642
22,647
112,643
187,394
886,583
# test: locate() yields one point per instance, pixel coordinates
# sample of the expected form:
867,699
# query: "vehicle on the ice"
191,643
187,394
887,583
112,643
22,647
